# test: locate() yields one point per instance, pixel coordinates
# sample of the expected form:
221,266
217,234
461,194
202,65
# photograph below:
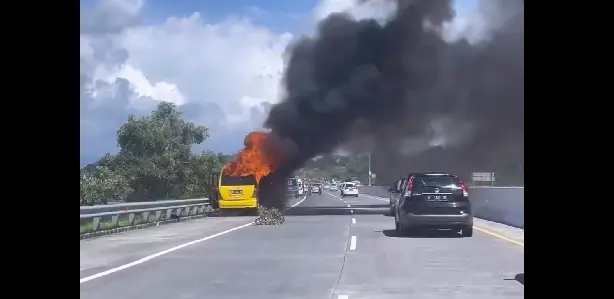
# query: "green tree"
155,150
155,161
350,167
195,176
100,184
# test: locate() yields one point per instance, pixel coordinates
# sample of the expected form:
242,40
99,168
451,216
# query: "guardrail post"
131,219
187,211
145,216
114,220
158,215
169,213
95,223
200,209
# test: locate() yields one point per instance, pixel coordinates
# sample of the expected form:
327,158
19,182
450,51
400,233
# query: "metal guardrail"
139,205
92,217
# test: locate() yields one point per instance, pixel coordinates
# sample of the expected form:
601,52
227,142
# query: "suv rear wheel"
467,231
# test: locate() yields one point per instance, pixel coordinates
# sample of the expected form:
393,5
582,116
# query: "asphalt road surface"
336,254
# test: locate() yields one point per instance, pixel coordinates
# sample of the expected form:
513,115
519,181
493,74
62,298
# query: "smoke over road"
423,103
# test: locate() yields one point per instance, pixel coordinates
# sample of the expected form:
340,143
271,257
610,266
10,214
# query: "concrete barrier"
500,204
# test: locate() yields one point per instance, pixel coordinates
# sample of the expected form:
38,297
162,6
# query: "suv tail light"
410,187
464,188
255,195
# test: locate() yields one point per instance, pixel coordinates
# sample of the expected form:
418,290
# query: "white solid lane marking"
298,203
353,220
155,255
343,297
353,243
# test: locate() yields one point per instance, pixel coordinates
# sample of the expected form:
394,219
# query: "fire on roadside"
253,159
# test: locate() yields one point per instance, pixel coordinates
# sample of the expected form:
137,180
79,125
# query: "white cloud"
234,64
374,9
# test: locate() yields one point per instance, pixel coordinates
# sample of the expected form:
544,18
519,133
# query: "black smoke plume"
405,87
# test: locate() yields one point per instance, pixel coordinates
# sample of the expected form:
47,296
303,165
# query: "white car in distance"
349,189
316,188
333,187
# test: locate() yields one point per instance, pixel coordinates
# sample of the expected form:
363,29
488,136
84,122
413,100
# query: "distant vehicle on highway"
292,187
341,188
334,187
349,189
300,187
316,188
433,200
326,186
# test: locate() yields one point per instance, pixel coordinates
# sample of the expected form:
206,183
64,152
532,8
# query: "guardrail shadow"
423,234
312,211
231,213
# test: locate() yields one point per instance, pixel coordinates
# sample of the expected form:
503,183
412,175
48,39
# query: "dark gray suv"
434,200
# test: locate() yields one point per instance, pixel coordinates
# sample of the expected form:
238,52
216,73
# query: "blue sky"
222,66
276,14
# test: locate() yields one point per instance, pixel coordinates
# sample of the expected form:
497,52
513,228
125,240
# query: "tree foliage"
100,184
155,161
351,167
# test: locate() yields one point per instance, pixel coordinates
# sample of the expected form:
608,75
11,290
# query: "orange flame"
252,160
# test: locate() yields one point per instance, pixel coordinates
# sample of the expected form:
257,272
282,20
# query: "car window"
350,185
238,181
436,181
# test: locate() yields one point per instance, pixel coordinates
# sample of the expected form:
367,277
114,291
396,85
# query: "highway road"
337,255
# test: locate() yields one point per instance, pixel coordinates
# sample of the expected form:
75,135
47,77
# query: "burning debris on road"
269,216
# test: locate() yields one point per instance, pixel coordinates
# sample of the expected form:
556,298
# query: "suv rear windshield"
436,181
349,185
238,180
